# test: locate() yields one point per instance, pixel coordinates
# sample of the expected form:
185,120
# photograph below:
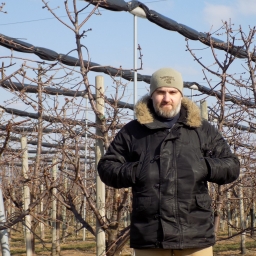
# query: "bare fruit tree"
53,96
233,112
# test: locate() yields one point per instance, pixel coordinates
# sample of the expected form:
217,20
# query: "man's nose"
167,97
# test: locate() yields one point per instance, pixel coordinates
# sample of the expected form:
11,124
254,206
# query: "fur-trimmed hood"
145,115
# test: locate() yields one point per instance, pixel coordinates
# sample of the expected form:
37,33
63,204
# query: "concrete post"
42,209
204,109
229,215
99,151
242,219
3,233
26,192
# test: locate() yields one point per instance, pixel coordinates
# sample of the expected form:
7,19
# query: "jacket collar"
190,113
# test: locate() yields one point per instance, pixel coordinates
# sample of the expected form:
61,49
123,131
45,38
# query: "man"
167,156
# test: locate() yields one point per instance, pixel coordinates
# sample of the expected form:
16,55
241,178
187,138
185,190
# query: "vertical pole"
135,60
54,208
64,210
42,210
3,233
229,215
9,207
204,109
26,191
236,217
252,212
100,186
242,219
85,160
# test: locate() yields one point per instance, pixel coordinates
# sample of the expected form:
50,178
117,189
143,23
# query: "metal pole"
135,60
85,160
99,151
193,87
26,191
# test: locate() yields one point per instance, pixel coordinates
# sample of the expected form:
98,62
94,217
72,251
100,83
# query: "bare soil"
77,247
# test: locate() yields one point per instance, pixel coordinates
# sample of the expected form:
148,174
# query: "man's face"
167,101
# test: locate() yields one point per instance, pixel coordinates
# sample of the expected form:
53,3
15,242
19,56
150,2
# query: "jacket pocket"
204,201
201,169
144,207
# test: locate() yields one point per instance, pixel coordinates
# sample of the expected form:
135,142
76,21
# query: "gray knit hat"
166,77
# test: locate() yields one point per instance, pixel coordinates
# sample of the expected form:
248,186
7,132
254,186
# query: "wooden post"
26,193
54,209
99,151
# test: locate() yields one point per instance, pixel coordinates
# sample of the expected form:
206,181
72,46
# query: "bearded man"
167,155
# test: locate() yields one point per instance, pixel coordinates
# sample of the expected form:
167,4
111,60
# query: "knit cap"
166,77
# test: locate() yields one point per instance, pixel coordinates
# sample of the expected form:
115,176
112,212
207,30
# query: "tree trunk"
242,219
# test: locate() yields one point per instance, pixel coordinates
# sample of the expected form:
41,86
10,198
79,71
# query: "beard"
166,113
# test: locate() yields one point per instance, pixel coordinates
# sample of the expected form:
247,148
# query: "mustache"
166,104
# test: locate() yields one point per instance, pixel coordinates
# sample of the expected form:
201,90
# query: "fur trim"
193,113
142,112
145,116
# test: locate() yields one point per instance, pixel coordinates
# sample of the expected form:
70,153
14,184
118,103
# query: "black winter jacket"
168,170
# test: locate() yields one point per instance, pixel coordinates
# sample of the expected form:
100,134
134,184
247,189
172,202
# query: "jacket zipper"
176,196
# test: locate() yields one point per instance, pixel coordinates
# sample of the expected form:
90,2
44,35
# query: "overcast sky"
111,40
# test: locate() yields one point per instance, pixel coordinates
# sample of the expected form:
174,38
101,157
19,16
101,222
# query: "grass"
233,247
75,244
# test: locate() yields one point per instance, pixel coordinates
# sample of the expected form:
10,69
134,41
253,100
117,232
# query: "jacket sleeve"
223,165
115,168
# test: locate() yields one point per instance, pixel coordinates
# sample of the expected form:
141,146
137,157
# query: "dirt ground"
81,251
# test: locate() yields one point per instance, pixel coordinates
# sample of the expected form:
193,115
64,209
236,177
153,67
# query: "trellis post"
26,193
99,151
